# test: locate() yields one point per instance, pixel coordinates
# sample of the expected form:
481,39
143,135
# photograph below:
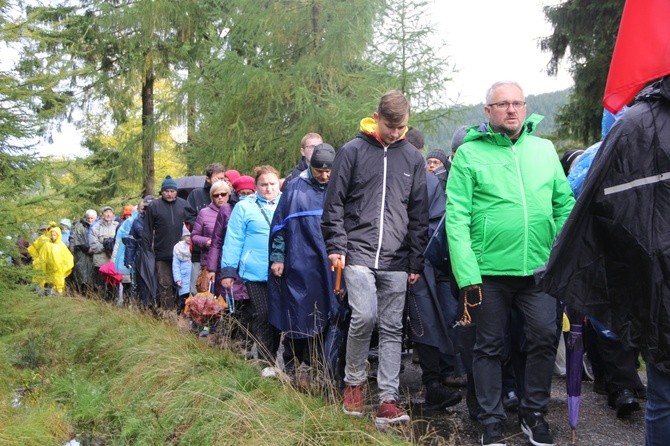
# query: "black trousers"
266,335
618,363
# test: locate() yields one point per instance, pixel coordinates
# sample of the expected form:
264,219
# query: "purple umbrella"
574,351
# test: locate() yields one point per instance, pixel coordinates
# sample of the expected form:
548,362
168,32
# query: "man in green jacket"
507,200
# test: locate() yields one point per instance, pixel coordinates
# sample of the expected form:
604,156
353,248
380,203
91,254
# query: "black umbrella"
146,270
186,184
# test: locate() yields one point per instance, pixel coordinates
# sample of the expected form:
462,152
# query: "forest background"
242,81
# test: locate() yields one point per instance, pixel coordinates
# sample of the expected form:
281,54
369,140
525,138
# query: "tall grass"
117,377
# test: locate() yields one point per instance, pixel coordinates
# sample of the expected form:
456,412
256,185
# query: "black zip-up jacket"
163,222
376,206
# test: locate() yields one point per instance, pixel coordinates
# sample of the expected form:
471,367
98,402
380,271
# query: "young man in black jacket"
375,225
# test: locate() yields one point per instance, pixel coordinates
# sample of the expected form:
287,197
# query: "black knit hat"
323,156
438,155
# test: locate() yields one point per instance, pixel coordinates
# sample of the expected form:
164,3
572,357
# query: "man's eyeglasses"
517,105
310,147
221,195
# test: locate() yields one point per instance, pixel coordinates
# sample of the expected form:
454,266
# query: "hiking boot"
438,397
536,428
510,401
624,402
390,413
493,435
456,381
353,402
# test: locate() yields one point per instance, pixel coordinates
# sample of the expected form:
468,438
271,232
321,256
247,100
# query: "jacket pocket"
243,263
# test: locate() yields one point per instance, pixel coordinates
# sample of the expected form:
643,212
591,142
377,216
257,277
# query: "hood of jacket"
655,91
368,126
59,235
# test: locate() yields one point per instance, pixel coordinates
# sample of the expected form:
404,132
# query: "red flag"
641,53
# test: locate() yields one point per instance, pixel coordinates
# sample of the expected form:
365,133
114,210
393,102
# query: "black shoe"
510,401
493,435
438,397
624,402
536,428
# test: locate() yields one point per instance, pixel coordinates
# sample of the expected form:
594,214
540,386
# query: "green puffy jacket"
506,203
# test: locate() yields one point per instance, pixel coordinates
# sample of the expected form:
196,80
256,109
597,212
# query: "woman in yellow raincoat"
56,261
34,251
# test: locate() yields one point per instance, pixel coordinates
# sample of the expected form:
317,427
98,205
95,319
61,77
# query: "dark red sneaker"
354,401
390,413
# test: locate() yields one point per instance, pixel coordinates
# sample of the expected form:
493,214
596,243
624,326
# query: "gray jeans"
375,296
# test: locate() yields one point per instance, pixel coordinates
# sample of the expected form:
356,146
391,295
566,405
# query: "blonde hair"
310,135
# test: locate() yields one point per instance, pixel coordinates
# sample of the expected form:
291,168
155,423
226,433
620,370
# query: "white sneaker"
269,372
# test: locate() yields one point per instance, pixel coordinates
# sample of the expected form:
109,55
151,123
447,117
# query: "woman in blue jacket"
245,253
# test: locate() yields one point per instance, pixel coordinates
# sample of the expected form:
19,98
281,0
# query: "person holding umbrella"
375,225
429,304
137,258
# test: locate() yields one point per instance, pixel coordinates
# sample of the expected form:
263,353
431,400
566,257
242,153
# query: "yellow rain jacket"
55,260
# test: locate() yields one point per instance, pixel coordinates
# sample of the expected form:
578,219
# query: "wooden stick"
338,280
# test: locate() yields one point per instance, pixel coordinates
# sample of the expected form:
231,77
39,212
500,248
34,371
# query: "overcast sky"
486,41
492,40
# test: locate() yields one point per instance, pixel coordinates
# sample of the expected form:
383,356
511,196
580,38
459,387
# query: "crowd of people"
443,248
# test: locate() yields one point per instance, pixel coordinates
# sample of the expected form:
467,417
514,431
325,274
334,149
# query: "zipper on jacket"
525,210
243,263
381,211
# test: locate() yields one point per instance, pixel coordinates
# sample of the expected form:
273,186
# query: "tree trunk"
190,131
148,134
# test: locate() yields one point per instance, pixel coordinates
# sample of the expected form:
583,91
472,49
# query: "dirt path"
598,424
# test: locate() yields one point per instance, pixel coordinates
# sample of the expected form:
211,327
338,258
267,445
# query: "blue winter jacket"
245,249
121,233
181,270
